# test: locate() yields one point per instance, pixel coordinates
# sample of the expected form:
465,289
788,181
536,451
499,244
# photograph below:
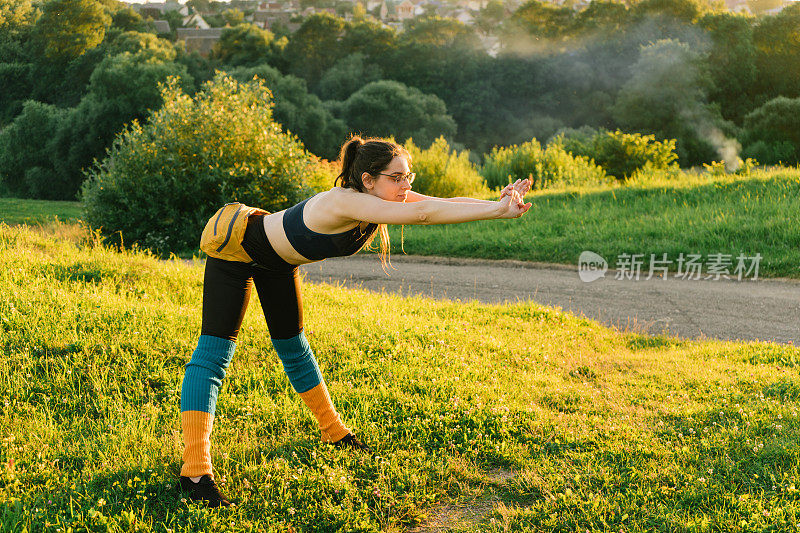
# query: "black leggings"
227,286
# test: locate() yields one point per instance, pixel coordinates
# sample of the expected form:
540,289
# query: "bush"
772,132
444,173
548,167
772,153
16,88
26,154
162,181
740,168
619,154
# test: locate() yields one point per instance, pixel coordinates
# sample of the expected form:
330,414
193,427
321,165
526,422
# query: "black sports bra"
313,245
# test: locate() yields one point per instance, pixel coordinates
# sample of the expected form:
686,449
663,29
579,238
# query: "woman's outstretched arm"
521,186
369,208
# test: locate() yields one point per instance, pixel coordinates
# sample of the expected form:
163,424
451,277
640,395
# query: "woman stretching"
249,246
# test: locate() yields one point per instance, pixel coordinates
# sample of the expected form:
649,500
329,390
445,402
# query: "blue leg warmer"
298,362
205,372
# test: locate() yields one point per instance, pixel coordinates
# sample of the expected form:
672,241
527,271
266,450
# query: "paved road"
724,309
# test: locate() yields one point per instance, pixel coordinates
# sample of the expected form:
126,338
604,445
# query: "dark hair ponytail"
371,155
348,156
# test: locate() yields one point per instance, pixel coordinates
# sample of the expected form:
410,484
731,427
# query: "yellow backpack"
223,234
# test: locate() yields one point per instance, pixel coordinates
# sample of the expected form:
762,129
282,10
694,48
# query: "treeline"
74,72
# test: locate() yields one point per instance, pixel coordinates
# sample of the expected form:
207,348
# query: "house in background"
405,10
161,27
378,9
195,21
199,40
156,10
265,20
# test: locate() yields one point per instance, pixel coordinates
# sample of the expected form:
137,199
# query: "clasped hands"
516,191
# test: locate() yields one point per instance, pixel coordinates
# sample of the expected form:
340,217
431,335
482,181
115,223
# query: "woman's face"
391,183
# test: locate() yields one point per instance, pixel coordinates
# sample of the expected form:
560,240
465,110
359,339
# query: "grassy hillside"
691,215
19,211
682,213
484,418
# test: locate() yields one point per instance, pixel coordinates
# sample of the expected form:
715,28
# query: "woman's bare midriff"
273,227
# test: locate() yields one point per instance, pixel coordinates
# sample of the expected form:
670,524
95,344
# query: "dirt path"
725,309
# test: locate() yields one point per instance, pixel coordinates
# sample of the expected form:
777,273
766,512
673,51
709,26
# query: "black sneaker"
350,441
204,490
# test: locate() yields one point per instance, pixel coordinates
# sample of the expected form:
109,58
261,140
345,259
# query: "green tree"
26,164
359,11
685,10
299,112
174,18
200,68
667,96
153,47
16,89
489,18
602,15
233,17
123,88
439,31
112,6
162,180
128,20
61,81
368,37
537,18
347,76
389,108
772,132
731,63
778,54
244,44
215,20
68,28
16,15
315,46
17,18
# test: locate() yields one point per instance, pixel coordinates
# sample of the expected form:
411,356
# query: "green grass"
690,214
534,419
24,211
669,214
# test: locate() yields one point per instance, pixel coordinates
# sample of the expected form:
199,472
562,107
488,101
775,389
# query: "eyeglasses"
399,179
